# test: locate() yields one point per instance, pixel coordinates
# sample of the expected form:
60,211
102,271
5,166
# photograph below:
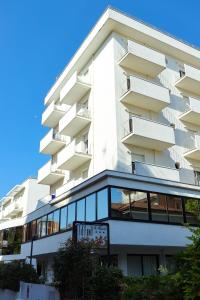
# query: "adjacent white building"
124,145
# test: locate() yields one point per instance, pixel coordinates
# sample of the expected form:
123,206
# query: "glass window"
134,265
158,207
120,203
102,204
33,228
39,228
175,210
91,208
56,218
80,208
150,266
63,218
139,205
192,210
71,215
170,263
49,223
44,226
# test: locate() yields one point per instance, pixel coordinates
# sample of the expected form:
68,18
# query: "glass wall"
117,203
139,265
10,240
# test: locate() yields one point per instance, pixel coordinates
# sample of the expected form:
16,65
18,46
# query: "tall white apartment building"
124,143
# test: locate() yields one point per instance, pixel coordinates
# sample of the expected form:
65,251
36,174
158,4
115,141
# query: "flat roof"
113,20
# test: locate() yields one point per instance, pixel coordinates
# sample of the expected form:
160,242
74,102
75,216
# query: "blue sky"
37,39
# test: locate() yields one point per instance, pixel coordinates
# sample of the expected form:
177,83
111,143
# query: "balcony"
76,118
49,174
74,90
150,170
52,143
148,134
145,94
12,210
194,153
73,156
189,80
192,114
143,60
52,114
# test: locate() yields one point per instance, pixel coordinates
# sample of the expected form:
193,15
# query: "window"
56,218
63,218
166,208
44,226
91,208
102,204
139,265
139,205
120,206
192,210
80,207
39,227
197,178
175,209
170,263
71,214
50,223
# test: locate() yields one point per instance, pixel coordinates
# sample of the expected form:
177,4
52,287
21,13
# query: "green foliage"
107,283
152,288
189,267
73,265
12,273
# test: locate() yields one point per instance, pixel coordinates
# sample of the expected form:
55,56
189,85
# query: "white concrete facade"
124,113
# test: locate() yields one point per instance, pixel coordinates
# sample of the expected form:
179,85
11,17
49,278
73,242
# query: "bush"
12,273
107,283
152,288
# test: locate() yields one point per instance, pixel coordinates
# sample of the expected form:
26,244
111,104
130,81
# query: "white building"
124,145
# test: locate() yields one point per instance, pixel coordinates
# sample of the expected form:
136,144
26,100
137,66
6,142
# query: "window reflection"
71,215
192,210
120,205
91,208
63,218
102,204
139,205
80,206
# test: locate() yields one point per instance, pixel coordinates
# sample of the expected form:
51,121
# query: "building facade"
124,143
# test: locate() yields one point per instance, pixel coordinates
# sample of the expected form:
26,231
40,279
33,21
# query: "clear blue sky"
37,39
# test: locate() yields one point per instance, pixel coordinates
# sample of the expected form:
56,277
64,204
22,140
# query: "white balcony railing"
143,59
75,119
49,174
149,134
12,209
192,112
52,114
189,80
155,171
52,142
73,155
145,94
75,88
193,151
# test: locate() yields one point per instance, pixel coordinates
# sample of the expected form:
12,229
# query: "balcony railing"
189,80
75,119
50,174
155,171
145,94
193,152
52,142
52,114
149,134
73,155
192,111
143,59
75,88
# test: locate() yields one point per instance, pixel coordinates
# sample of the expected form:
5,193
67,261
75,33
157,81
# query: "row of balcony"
12,210
69,158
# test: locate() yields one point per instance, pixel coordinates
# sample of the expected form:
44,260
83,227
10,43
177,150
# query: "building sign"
97,233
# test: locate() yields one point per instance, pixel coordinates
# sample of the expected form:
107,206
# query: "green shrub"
12,273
